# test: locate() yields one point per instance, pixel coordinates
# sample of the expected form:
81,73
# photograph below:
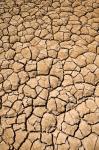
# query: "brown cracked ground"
49,74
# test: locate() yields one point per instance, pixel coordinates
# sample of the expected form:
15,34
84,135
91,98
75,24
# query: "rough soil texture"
49,74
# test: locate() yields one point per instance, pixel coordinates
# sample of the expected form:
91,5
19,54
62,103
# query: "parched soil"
49,74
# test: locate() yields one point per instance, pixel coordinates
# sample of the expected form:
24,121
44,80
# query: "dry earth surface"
49,74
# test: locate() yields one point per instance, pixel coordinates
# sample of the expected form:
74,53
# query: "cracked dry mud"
49,74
